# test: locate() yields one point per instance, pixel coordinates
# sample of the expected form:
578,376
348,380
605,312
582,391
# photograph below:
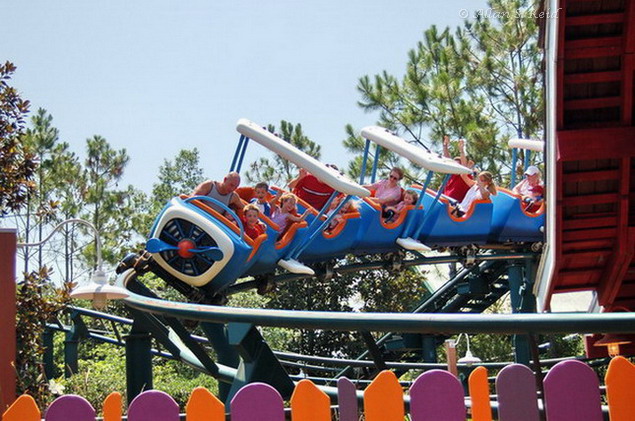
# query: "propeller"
213,253
154,245
186,249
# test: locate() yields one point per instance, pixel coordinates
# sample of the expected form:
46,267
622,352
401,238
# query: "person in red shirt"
456,187
310,189
251,221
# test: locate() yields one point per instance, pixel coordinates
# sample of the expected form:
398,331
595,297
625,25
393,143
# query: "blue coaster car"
516,221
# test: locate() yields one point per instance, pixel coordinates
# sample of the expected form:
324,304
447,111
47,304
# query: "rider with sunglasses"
388,191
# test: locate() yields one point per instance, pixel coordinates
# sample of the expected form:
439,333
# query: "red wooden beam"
612,278
590,199
571,280
627,291
588,245
558,239
627,86
592,77
585,223
603,42
595,19
589,234
615,50
583,176
592,103
587,254
628,64
7,317
601,143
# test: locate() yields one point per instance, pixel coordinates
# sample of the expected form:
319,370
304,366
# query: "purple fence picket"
70,407
437,395
572,393
517,397
347,400
153,405
257,401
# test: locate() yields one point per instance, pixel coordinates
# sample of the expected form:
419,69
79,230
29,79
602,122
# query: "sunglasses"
392,177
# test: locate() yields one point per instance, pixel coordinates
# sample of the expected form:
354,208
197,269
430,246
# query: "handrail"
223,206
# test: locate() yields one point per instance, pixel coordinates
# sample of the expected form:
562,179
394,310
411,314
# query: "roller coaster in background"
582,240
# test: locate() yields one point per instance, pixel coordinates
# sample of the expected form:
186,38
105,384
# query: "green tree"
277,170
318,294
110,209
504,62
16,162
177,177
42,140
69,176
38,302
481,83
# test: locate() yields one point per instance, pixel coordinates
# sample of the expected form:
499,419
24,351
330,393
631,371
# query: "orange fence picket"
112,407
479,395
620,389
204,406
383,399
23,409
308,403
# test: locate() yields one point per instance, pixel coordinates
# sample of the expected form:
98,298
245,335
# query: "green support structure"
258,363
71,345
77,332
429,348
138,361
225,353
49,357
521,280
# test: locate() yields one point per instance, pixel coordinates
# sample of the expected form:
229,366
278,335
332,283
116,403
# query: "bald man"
224,192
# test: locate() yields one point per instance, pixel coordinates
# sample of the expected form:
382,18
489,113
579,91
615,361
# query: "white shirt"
474,193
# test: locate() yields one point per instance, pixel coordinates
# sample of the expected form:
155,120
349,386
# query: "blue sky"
158,76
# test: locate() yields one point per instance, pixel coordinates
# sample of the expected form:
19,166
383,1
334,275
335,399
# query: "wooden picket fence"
571,392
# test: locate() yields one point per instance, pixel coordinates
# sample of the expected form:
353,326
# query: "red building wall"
7,317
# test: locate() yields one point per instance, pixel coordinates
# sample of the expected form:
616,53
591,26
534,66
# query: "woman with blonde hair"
480,189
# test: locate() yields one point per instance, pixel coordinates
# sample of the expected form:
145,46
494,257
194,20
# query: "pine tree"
176,177
481,82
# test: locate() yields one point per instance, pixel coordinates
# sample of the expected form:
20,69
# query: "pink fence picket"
516,390
437,395
257,401
347,400
70,407
572,393
153,405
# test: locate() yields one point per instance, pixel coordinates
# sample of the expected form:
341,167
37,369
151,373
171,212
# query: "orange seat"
290,233
339,227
